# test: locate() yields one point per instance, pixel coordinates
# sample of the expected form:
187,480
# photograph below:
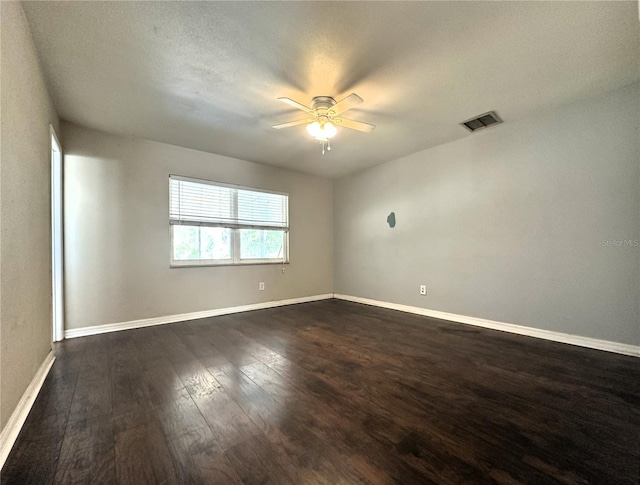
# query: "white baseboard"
592,343
14,425
148,322
588,342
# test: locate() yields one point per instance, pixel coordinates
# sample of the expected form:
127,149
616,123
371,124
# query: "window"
213,223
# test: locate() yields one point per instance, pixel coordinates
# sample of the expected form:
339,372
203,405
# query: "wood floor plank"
56,393
162,383
247,463
34,456
199,459
87,454
262,409
142,456
179,416
196,378
229,422
92,397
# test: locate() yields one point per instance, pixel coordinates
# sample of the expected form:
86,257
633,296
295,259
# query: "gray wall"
117,239
507,224
25,201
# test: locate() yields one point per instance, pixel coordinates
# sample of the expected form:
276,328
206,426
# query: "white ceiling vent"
482,121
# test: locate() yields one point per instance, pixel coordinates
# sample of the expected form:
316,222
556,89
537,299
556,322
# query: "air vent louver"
482,121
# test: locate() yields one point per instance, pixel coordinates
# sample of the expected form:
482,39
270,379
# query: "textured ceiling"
206,75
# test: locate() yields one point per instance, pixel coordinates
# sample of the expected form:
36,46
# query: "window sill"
208,265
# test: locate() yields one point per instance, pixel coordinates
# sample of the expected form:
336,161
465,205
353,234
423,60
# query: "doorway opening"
57,238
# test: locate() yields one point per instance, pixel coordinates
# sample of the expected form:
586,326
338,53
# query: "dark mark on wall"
391,220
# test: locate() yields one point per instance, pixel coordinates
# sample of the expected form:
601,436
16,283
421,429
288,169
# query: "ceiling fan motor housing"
322,104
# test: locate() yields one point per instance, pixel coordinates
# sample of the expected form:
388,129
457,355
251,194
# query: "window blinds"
203,203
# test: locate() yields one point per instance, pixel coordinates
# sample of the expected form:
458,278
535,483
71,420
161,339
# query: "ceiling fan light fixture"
322,130
329,130
314,129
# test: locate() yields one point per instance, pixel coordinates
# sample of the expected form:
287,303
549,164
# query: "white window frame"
235,259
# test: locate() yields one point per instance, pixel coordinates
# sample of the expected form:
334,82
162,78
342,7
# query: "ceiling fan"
324,116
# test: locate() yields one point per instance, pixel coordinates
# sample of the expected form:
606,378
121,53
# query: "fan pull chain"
328,142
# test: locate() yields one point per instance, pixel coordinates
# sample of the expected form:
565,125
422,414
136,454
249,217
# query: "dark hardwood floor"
330,392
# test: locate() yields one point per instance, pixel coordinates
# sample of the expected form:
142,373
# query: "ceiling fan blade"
295,104
292,123
354,125
347,103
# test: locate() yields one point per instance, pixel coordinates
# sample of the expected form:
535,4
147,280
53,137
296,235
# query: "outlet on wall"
423,289
261,286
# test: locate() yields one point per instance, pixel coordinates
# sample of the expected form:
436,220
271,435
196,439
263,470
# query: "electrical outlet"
261,286
423,289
